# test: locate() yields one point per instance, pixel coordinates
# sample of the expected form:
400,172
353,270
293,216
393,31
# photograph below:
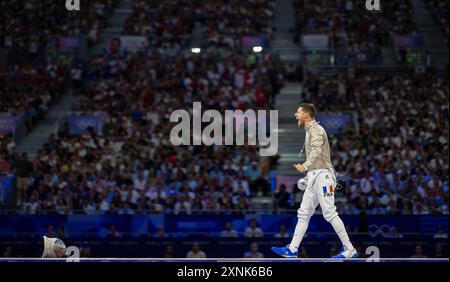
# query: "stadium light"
196,50
257,49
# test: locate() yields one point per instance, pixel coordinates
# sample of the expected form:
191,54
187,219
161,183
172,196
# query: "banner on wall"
289,181
315,41
402,41
248,42
70,42
335,123
78,124
9,123
133,42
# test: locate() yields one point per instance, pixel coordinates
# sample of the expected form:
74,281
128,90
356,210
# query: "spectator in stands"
438,251
253,231
282,233
440,234
303,253
160,232
168,252
4,164
7,253
24,170
418,252
7,145
76,74
85,252
359,249
333,251
61,232
393,233
182,205
196,252
229,232
258,184
253,253
113,233
282,198
50,232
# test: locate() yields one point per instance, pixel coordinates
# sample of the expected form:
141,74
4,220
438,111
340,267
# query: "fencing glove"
302,183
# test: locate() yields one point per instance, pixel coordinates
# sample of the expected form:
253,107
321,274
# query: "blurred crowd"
356,33
440,10
130,166
221,23
30,91
33,77
166,24
34,25
224,22
395,160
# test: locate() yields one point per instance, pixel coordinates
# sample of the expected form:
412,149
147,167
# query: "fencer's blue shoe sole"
284,252
346,254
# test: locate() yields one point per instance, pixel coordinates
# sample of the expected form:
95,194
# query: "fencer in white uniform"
319,186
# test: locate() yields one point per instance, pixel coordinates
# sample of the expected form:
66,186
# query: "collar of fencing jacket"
311,124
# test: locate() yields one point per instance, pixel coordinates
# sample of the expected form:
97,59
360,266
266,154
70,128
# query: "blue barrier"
212,224
227,248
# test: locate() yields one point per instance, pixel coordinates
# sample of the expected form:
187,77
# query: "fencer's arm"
316,148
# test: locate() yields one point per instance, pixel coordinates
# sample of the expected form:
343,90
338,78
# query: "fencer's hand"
301,184
300,168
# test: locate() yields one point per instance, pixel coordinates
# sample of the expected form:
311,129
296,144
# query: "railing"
154,247
59,125
239,235
166,211
20,131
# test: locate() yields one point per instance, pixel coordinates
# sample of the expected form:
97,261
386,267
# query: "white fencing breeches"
319,191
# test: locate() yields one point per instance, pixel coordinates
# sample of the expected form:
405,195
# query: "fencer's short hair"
309,108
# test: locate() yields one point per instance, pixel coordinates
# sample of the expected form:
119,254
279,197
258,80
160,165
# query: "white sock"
339,228
300,230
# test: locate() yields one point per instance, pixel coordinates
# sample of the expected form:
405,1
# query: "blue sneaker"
346,253
285,252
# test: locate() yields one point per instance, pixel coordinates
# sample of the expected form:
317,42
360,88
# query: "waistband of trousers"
319,170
